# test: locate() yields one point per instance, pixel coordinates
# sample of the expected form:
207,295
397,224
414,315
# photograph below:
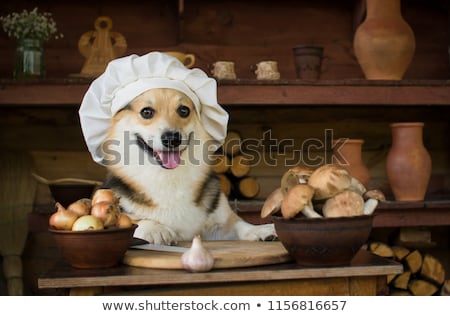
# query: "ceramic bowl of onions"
92,232
322,216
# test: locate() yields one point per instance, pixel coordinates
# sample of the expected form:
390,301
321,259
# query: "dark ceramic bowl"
323,242
66,193
92,249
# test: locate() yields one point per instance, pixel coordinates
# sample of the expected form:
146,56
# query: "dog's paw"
155,233
264,232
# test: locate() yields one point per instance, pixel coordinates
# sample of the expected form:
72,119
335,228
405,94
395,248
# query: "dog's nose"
171,139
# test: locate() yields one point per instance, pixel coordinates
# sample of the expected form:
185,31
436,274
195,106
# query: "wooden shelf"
40,93
335,92
69,92
388,214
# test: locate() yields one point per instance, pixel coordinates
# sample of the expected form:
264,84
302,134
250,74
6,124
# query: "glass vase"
29,59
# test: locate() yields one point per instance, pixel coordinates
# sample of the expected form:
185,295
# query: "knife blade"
160,248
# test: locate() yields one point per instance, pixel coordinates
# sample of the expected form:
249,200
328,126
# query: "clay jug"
348,154
408,163
384,43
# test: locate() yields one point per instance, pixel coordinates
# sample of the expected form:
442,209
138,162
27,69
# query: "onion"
63,218
81,207
87,222
107,212
104,195
124,221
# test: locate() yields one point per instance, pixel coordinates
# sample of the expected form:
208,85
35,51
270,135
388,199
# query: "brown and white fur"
156,153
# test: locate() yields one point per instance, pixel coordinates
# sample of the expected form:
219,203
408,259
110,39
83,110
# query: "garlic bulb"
197,258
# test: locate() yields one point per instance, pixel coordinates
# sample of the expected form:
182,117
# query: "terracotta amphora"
348,154
384,43
408,163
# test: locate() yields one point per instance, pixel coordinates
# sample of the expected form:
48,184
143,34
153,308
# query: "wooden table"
366,275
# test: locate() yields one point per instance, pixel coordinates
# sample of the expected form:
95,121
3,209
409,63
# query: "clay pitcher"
408,164
348,154
384,43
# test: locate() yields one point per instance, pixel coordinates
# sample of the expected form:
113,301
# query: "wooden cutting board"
227,254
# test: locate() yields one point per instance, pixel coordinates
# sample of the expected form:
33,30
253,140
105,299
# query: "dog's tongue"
169,159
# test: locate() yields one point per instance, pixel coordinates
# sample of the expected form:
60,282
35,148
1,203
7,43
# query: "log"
400,252
390,278
445,290
239,166
232,143
381,249
248,187
402,280
225,184
400,293
432,270
423,274
220,163
422,288
414,261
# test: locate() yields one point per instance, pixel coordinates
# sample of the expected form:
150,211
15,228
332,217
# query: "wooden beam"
333,94
251,92
42,94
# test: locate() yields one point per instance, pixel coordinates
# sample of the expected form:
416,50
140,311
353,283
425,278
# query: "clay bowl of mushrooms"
92,233
322,216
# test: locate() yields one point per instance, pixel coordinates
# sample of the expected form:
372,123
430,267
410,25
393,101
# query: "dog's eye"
183,111
147,113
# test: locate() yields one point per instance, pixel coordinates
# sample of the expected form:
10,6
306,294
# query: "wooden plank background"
243,31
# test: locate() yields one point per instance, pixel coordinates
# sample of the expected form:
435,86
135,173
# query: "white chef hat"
127,77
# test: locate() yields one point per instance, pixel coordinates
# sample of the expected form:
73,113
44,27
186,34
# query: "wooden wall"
245,32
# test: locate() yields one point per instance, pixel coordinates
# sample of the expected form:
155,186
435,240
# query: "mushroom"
298,199
357,186
345,203
374,194
373,197
272,204
369,206
329,180
294,176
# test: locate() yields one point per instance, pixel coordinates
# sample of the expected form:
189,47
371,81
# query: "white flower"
30,24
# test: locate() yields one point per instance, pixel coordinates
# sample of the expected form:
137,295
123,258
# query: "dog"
156,154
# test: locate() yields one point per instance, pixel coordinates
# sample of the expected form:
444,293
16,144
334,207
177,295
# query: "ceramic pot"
384,43
29,59
308,61
323,242
408,163
348,154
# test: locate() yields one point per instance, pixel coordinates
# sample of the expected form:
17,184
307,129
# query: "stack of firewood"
233,168
423,274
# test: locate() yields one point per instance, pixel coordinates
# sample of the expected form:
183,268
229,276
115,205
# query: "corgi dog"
156,153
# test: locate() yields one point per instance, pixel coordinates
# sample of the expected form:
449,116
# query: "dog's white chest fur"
171,193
